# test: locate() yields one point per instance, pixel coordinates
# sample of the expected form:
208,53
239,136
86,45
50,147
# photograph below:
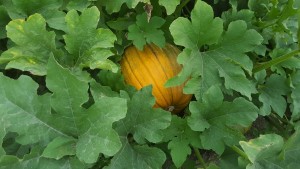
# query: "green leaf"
272,95
295,107
145,31
114,6
142,120
220,121
137,156
229,160
55,19
60,147
269,152
260,7
2,135
99,137
181,138
264,146
225,57
169,5
78,5
18,9
202,29
100,91
33,160
93,126
4,20
121,23
291,151
19,104
234,15
213,166
69,94
89,46
34,45
113,80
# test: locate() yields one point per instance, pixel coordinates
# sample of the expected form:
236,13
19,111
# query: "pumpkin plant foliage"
65,101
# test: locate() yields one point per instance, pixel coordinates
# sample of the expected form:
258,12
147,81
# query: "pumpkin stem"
170,108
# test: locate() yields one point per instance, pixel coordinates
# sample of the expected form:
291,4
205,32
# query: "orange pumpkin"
154,65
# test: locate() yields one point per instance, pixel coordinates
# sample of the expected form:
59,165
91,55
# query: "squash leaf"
270,151
34,160
89,46
69,94
34,45
169,5
78,5
20,103
4,20
271,95
93,126
264,146
295,107
2,135
60,147
212,56
99,137
114,6
18,9
142,121
147,32
181,137
220,121
137,156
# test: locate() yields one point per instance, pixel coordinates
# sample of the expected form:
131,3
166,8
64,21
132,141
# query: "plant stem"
240,152
199,157
180,7
272,120
275,61
275,122
283,120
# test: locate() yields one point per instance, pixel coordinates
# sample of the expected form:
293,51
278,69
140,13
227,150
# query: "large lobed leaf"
93,126
89,46
220,121
270,151
114,6
58,121
137,156
4,20
265,146
100,137
23,111
143,121
144,31
18,9
271,95
223,58
34,160
181,137
34,45
295,107
69,94
169,5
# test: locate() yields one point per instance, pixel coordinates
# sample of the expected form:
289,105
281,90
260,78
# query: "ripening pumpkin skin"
154,65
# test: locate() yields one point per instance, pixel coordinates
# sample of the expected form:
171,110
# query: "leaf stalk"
180,7
240,152
275,61
199,157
